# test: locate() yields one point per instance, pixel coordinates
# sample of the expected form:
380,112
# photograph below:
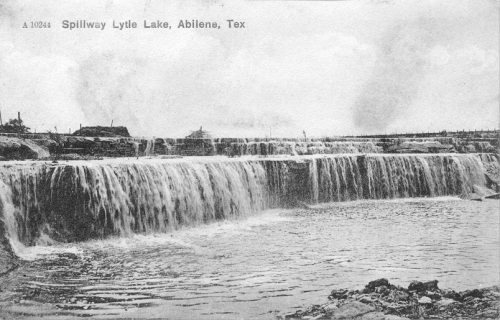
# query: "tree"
14,126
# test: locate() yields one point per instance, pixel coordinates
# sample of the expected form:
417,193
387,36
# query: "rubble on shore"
380,300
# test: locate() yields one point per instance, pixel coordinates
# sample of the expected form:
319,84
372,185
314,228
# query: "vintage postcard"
249,159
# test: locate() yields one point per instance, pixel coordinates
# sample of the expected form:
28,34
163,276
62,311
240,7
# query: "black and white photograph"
249,159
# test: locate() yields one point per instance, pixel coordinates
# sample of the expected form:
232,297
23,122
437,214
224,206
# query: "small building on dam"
198,143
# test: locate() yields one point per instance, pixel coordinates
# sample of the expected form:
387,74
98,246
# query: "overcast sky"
329,68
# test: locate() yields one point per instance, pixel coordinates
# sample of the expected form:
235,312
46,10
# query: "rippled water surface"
257,267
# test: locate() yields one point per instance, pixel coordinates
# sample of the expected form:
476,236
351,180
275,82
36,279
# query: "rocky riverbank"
380,300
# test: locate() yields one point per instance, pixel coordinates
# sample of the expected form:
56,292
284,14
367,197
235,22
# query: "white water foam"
81,200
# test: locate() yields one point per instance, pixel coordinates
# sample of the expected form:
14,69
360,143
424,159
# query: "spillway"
75,201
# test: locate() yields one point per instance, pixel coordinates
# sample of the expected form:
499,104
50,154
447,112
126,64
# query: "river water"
259,266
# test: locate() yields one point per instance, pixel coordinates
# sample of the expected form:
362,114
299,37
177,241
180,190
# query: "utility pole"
111,123
19,123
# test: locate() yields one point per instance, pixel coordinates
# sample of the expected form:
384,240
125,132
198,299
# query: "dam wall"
78,147
116,147
80,200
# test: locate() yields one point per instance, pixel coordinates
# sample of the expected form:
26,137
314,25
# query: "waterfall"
390,176
8,215
294,147
91,199
142,147
79,200
150,147
135,144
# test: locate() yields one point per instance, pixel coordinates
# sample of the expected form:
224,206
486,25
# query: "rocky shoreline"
380,300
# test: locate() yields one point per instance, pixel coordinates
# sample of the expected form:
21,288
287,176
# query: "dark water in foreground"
260,266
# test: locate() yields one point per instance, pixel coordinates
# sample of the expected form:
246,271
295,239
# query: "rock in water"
338,294
370,287
423,286
398,295
445,302
472,293
352,310
421,300
425,300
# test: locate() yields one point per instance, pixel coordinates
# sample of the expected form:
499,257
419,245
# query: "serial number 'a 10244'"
36,24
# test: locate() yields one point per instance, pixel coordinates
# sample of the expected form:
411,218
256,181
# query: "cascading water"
142,146
382,177
277,147
150,147
8,216
94,199
89,200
